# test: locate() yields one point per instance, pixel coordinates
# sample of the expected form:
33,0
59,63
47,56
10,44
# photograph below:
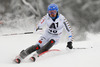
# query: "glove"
38,29
69,45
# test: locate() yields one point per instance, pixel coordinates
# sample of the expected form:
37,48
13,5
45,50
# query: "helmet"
53,7
52,10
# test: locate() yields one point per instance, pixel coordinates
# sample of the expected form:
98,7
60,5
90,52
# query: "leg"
25,53
47,46
52,40
43,39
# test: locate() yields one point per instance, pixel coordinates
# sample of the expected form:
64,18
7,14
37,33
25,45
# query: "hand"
69,45
38,29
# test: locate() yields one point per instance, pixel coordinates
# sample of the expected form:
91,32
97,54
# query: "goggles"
53,13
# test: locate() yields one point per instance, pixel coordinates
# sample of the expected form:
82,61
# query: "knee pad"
52,41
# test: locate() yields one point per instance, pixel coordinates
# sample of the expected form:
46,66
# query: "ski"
36,55
48,51
33,58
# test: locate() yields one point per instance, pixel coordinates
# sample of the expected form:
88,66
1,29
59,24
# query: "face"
53,13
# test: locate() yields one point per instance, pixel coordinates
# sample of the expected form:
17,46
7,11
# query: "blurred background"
83,15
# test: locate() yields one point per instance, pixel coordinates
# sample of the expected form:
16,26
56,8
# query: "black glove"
69,45
38,29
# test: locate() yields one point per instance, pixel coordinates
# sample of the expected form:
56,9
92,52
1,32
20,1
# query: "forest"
83,15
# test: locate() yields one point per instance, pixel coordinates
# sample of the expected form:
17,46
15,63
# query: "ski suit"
54,29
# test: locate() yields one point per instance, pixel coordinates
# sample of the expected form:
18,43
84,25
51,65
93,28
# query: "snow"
10,46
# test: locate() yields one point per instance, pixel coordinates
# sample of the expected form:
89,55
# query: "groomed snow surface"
10,46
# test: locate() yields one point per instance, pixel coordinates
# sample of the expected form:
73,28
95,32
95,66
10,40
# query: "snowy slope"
10,46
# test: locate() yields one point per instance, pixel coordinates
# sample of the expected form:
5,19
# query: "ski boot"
24,53
33,58
17,59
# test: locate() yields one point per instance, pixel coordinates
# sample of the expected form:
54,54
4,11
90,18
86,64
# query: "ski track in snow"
10,46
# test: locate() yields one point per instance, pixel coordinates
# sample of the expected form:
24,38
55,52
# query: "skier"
55,23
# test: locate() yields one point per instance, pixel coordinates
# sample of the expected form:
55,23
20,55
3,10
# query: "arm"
70,32
41,23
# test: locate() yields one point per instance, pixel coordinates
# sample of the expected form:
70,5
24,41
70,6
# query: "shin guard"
46,46
28,51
